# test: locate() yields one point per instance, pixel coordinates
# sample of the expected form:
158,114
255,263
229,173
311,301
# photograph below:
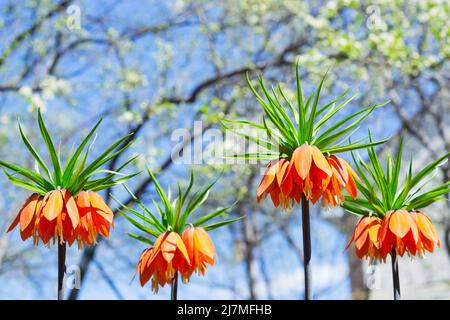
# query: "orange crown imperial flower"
58,217
61,208
300,148
180,247
95,217
367,238
309,172
400,226
410,232
160,262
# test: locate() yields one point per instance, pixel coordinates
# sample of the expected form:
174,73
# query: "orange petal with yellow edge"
302,159
54,205
71,207
320,160
351,188
267,180
360,234
97,202
28,211
83,200
282,165
374,230
399,223
426,227
343,167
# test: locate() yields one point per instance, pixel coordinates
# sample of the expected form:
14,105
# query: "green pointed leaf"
141,238
138,225
51,149
34,153
221,224
74,159
212,215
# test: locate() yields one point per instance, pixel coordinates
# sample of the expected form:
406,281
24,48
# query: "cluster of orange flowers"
310,173
59,215
400,231
173,253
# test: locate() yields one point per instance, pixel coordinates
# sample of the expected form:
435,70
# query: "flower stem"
174,287
306,247
61,268
395,275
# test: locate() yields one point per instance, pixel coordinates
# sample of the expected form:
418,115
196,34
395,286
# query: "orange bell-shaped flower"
367,239
201,251
57,218
95,218
310,173
167,256
342,176
428,235
410,232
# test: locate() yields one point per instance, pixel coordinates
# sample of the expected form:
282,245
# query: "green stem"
306,231
61,268
174,287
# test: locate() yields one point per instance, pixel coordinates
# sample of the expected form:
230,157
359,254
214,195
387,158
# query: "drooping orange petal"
351,188
374,230
188,239
83,200
360,234
302,159
267,180
275,196
97,202
282,165
144,272
320,160
343,167
414,229
336,169
296,177
385,226
54,205
169,246
426,227
71,208
428,245
203,243
181,247
399,223
109,217
287,183
26,213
